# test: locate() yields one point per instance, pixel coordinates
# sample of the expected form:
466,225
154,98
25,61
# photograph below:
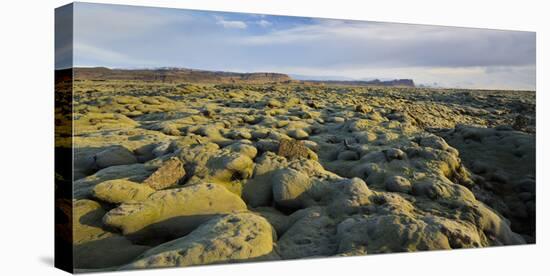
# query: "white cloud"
388,44
264,23
454,57
230,24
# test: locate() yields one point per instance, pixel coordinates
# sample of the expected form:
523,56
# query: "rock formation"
235,167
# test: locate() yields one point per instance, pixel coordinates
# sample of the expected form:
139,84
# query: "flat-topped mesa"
262,77
178,75
401,82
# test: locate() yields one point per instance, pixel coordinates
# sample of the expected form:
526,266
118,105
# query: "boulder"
258,190
362,108
292,149
114,156
229,166
398,184
298,134
344,197
243,148
120,190
101,121
288,186
388,233
95,247
341,196
392,154
310,236
348,155
161,149
274,103
224,239
278,220
106,253
82,188
172,213
167,175
87,225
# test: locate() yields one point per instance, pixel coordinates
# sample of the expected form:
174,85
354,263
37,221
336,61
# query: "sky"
307,48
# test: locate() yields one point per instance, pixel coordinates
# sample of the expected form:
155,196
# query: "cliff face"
218,77
177,75
401,82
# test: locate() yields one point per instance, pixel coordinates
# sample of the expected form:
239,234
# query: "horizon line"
420,85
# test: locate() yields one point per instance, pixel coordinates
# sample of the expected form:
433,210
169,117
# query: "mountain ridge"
172,74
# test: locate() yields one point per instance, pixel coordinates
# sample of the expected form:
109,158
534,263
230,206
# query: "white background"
26,133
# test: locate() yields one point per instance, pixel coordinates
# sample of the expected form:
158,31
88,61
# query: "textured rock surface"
87,226
229,238
398,183
389,233
114,156
294,149
95,247
135,173
277,219
121,191
312,235
172,213
288,186
503,158
332,170
258,190
169,174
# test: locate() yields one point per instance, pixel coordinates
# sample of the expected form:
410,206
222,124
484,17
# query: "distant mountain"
375,82
203,76
177,75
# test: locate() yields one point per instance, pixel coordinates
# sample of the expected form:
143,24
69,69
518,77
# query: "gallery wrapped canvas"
187,137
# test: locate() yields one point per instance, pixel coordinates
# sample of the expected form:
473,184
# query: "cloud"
112,23
264,23
126,36
230,24
387,44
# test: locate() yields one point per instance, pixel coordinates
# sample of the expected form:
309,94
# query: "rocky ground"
172,174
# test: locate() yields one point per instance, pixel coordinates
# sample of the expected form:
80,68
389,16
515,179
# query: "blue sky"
143,37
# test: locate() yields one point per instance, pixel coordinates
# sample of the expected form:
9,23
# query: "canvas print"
188,137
